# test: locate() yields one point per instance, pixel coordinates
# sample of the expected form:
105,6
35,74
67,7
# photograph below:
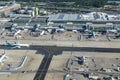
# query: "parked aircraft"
42,32
2,57
16,45
80,60
17,32
112,31
60,30
84,29
92,34
117,36
75,31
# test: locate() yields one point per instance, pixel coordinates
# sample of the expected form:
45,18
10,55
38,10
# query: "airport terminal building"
81,18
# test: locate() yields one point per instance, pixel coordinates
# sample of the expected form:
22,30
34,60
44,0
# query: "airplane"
112,31
16,45
42,32
16,33
50,27
92,34
60,30
75,31
24,27
85,29
117,36
80,60
53,31
2,57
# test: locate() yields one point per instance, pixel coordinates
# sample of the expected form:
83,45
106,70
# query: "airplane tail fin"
7,42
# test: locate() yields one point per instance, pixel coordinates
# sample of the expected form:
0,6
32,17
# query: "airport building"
89,17
7,9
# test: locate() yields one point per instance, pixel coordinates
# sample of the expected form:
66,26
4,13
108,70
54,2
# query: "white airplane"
3,20
48,27
112,31
2,57
117,36
92,34
42,33
16,45
60,30
16,33
75,31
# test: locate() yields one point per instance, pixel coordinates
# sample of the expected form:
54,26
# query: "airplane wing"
16,46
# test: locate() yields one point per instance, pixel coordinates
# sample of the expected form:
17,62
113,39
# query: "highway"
50,51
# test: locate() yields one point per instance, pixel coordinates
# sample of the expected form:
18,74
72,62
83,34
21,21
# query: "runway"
56,50
43,68
50,51
59,49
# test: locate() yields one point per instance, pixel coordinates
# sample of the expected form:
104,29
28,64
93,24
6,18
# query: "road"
50,51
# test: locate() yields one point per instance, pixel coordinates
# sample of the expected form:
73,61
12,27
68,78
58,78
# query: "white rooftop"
89,16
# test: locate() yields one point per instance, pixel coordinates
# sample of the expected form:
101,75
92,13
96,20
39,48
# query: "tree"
92,3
